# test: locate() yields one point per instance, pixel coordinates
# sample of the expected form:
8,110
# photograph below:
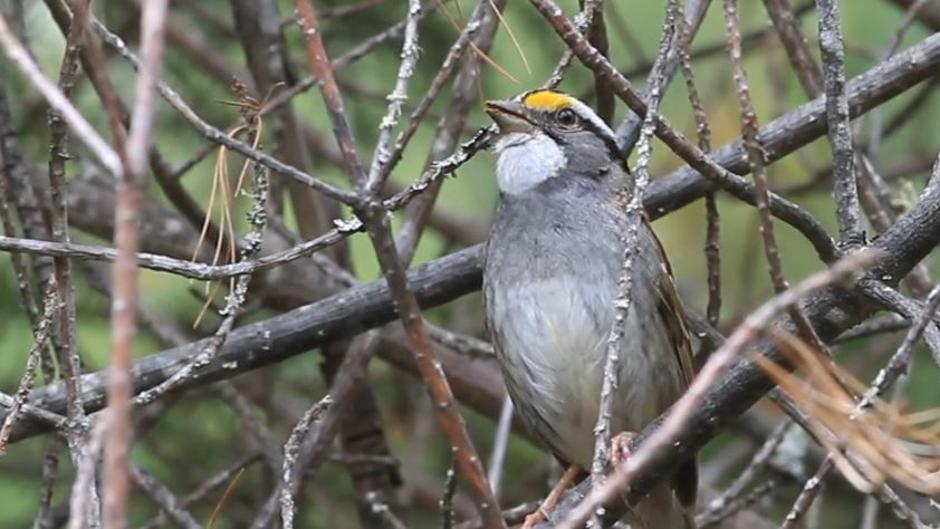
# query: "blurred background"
199,433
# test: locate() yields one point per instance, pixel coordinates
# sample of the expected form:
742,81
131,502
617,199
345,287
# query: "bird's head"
543,134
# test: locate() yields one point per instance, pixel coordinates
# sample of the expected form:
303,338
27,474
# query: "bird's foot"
620,448
542,513
535,518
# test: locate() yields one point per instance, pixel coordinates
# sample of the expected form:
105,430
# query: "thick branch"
278,338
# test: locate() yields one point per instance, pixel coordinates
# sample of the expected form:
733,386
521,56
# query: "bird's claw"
620,448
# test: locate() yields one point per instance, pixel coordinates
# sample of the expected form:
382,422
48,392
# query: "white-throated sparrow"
553,259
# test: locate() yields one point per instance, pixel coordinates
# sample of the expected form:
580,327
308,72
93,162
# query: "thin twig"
895,367
444,72
629,129
795,129
376,219
807,496
291,474
845,185
910,309
64,336
900,361
169,504
755,159
717,507
634,211
396,100
450,489
217,136
886,324
224,476
357,52
479,32
788,30
320,64
584,20
119,438
43,327
703,131
735,505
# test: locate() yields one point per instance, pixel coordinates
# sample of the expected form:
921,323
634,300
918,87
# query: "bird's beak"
509,116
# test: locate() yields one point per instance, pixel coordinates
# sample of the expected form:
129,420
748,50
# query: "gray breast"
550,278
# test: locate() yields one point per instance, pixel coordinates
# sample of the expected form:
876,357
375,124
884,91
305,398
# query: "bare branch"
396,100
292,472
845,185
163,496
120,430
634,211
789,132
788,29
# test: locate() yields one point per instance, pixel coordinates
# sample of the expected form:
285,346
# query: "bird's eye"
566,117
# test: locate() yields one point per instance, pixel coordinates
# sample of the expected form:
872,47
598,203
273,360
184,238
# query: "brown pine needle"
225,495
255,142
211,289
868,445
493,63
512,37
486,58
221,185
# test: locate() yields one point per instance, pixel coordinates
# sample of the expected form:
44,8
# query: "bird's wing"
685,480
673,313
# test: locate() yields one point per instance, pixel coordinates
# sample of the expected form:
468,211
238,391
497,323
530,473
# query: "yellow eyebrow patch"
547,100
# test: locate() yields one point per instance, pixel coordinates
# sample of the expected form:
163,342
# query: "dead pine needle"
870,445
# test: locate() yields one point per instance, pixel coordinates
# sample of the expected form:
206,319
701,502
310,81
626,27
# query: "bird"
551,266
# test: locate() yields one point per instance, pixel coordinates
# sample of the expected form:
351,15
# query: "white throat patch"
523,161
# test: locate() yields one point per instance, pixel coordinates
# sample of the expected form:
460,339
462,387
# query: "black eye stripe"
612,147
589,125
557,138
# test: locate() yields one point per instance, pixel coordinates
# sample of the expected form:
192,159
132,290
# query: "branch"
929,13
845,183
787,26
130,189
628,131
